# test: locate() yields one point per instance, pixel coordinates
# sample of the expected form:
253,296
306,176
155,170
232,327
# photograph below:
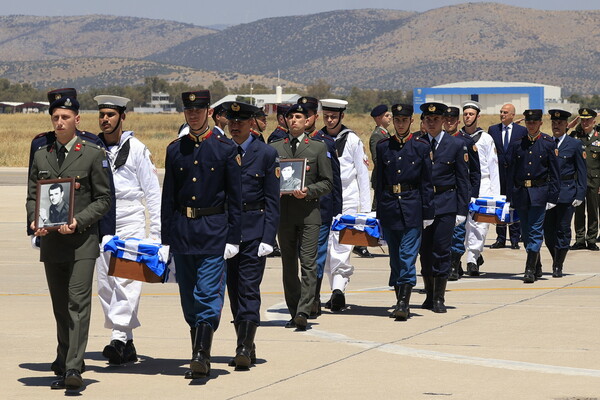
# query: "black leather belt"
532,182
259,205
400,187
444,188
194,213
568,177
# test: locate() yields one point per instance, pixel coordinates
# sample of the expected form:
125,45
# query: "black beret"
67,103
403,110
197,99
533,115
559,115
297,108
433,108
58,93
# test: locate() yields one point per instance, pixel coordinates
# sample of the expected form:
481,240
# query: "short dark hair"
55,186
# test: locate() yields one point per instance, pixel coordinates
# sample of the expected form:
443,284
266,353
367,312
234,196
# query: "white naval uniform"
135,181
476,232
356,197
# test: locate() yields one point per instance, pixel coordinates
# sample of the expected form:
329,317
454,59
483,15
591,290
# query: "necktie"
61,155
240,151
433,145
506,138
557,140
294,145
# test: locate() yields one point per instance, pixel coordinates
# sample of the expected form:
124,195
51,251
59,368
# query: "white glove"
231,250
264,249
577,203
427,222
549,206
459,220
35,242
473,200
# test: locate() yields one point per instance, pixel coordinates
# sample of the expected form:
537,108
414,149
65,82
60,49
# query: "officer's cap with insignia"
310,103
197,99
297,108
402,110
261,112
379,110
533,115
67,103
56,94
333,105
453,112
115,102
238,111
433,108
585,113
471,104
282,109
559,115
218,109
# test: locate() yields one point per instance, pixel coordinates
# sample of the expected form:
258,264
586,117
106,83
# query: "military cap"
558,115
218,109
282,109
261,112
311,103
433,108
239,111
379,110
403,110
197,99
115,102
471,104
67,103
297,108
333,104
58,93
452,112
533,115
585,113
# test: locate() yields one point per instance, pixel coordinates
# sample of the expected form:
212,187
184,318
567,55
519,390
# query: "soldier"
505,133
591,140
281,131
136,184
356,194
200,217
404,193
300,217
573,183
220,120
260,218
259,124
533,187
451,197
382,118
69,253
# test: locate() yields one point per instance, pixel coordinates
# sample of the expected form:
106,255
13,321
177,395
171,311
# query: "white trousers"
476,233
119,297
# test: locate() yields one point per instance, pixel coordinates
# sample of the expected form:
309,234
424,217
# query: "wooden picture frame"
292,174
54,204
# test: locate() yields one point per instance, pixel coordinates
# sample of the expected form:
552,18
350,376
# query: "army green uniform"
300,222
592,153
69,259
377,135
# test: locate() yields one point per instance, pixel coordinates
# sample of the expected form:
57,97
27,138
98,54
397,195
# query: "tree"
218,90
319,89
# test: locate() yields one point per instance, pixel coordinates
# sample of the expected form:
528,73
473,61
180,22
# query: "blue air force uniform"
533,182
573,176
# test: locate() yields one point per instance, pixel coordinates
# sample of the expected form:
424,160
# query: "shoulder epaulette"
421,139
547,138
40,135
277,140
175,141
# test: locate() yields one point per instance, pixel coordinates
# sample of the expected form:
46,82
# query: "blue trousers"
435,246
557,226
404,247
532,227
322,249
201,282
458,238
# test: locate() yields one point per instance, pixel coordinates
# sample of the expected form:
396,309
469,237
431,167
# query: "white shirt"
488,163
354,171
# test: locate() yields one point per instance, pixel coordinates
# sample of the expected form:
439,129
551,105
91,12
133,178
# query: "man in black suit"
505,133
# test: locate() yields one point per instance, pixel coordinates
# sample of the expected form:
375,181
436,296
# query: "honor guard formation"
230,199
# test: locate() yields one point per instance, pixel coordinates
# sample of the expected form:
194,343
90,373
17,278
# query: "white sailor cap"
333,104
471,104
108,101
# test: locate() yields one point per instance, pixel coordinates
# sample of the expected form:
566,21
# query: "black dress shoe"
290,324
515,246
578,246
480,260
73,379
472,269
58,384
129,353
362,251
497,245
301,320
592,247
114,352
338,300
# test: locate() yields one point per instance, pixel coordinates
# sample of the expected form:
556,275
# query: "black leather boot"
530,264
439,291
454,266
402,310
245,353
428,303
129,352
559,259
114,352
189,374
538,267
200,363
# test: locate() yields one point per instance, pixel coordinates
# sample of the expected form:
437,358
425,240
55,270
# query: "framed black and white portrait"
54,203
292,173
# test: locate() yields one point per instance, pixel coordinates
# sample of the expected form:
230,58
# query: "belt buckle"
435,189
190,212
397,188
528,183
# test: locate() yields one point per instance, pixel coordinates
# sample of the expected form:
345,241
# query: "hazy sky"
210,12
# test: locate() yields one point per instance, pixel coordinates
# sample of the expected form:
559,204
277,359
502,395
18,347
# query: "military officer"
219,119
404,193
136,191
451,198
573,183
259,124
69,253
533,184
260,219
591,140
281,131
300,216
201,221
382,118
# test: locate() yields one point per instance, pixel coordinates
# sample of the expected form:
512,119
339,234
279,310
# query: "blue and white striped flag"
154,255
